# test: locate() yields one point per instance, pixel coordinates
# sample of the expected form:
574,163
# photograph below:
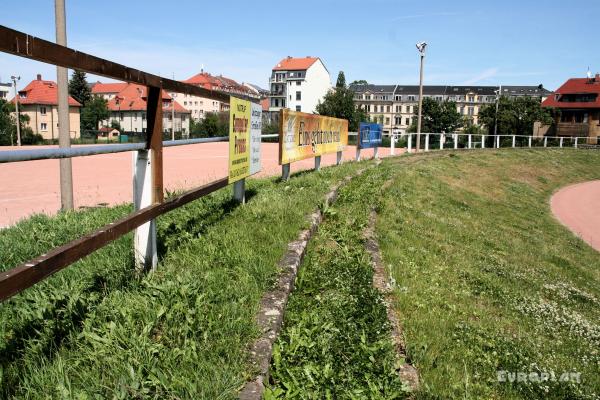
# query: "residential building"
127,103
578,100
39,101
298,84
5,90
199,106
394,106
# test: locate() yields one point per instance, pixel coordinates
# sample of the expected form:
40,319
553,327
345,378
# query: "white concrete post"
514,141
357,153
442,137
239,191
469,142
285,172
561,142
410,142
483,141
376,152
497,141
427,142
576,140
545,141
144,240
455,141
317,163
338,160
392,144
529,141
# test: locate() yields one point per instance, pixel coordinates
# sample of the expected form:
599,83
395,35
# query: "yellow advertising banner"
239,139
303,135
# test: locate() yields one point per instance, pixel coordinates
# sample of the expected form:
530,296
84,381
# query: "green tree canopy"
213,124
79,89
339,103
437,117
516,116
359,82
8,127
94,111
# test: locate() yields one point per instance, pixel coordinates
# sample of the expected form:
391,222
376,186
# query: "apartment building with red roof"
39,100
578,101
199,106
298,84
127,104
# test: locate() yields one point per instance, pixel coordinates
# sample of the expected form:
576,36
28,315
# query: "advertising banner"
255,132
239,139
369,135
303,135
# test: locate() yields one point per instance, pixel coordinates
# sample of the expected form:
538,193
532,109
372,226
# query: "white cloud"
486,74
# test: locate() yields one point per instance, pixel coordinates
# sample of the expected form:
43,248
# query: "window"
44,126
388,108
135,116
397,121
398,108
298,96
462,111
185,103
398,98
121,116
407,121
471,111
297,83
143,115
387,120
298,108
411,98
43,110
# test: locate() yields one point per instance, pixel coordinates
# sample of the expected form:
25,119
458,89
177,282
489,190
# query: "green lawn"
95,330
486,279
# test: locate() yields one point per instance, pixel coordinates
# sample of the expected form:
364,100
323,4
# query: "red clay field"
33,186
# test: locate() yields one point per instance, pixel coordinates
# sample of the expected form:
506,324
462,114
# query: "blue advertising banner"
369,135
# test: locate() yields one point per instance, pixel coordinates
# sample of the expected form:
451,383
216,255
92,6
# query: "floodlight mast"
421,48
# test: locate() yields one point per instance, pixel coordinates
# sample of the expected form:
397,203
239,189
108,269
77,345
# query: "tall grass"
181,332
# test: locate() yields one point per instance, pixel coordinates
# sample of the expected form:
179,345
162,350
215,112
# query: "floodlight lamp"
421,46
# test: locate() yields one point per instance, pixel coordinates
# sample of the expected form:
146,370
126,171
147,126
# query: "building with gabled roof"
578,100
39,101
127,104
298,84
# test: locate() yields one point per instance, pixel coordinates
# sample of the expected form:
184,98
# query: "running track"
32,187
578,208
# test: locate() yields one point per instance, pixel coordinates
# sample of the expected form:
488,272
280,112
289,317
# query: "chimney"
597,78
39,77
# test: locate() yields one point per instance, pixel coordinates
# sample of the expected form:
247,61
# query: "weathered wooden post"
239,190
338,160
285,172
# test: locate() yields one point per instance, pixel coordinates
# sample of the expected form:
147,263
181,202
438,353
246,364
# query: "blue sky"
470,42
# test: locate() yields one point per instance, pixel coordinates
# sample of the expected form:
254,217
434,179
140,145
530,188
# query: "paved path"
578,208
33,187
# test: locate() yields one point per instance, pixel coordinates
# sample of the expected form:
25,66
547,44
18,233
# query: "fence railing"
148,189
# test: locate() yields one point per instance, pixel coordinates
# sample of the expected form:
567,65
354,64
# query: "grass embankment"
95,330
487,279
335,342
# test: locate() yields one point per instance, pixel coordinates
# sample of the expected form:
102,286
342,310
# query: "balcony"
277,93
572,129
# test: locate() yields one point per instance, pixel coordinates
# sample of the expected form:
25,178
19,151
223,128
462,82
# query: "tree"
93,112
114,124
8,127
213,124
437,117
516,116
359,82
79,89
339,103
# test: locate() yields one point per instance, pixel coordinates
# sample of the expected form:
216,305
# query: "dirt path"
578,208
32,187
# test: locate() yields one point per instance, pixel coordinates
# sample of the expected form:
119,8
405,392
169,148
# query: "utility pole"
421,47
15,79
498,94
64,140
173,113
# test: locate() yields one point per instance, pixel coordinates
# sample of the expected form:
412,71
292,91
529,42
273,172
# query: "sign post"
240,144
369,136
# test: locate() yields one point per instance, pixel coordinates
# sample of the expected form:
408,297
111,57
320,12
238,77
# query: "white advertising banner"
255,132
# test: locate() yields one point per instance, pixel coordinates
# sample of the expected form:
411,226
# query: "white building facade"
298,84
